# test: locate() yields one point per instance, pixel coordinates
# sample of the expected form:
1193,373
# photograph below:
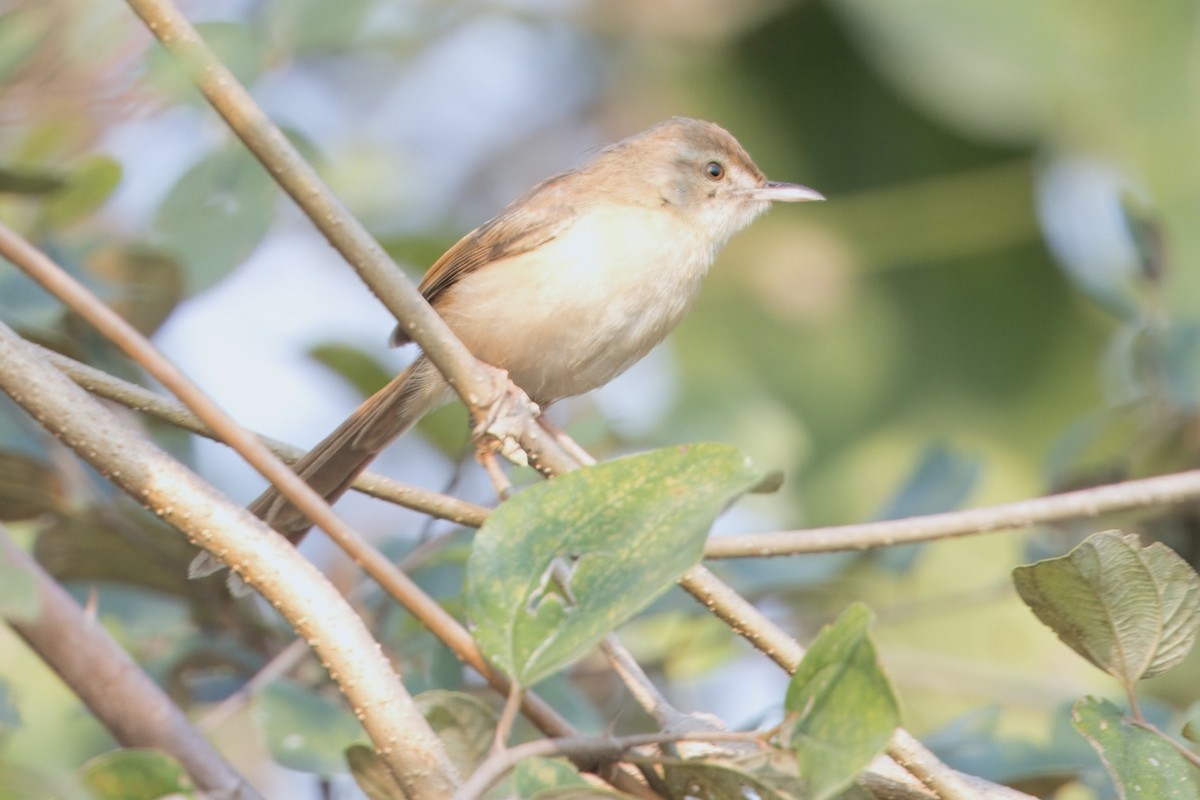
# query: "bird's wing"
522,227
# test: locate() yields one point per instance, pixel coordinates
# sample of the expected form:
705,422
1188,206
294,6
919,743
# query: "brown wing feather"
525,225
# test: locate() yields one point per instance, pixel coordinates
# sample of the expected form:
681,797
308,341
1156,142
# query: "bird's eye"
714,170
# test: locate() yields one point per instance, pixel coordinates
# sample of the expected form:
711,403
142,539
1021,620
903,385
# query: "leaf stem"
1191,757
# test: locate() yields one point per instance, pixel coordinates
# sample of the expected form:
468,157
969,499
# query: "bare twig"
639,684
310,604
508,716
1162,490
122,697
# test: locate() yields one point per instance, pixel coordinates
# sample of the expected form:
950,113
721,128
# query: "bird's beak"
775,191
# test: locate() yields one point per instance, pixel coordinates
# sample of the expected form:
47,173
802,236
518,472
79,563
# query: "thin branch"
1162,490
486,396
123,698
639,685
301,593
143,400
280,665
508,716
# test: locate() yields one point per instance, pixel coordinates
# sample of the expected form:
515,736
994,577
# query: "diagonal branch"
475,383
260,568
126,701
301,593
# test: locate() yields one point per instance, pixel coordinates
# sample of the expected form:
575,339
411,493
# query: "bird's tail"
331,467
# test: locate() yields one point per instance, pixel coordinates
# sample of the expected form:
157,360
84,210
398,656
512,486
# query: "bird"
567,287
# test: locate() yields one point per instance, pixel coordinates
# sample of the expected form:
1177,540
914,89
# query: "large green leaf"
845,711
363,372
305,731
89,186
560,565
1132,611
465,724
1142,764
135,775
240,46
534,776
764,774
372,774
216,214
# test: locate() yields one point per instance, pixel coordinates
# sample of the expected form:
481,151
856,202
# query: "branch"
389,576
293,585
1162,490
1168,489
475,383
145,401
123,698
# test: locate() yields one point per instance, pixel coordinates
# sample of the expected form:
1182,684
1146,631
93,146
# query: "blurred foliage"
999,299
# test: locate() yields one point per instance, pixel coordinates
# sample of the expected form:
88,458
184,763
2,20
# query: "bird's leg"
497,428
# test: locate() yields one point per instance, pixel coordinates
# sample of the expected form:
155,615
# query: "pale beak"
777,192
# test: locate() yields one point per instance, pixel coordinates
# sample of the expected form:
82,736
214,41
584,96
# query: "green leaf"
532,776
135,775
352,365
770,775
314,26
845,709
29,487
465,724
1182,364
216,214
942,480
238,46
10,715
1131,611
372,774
1191,727
89,186
305,731
26,180
18,593
148,283
560,565
1141,763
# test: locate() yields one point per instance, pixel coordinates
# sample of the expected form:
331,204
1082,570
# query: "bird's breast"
575,312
